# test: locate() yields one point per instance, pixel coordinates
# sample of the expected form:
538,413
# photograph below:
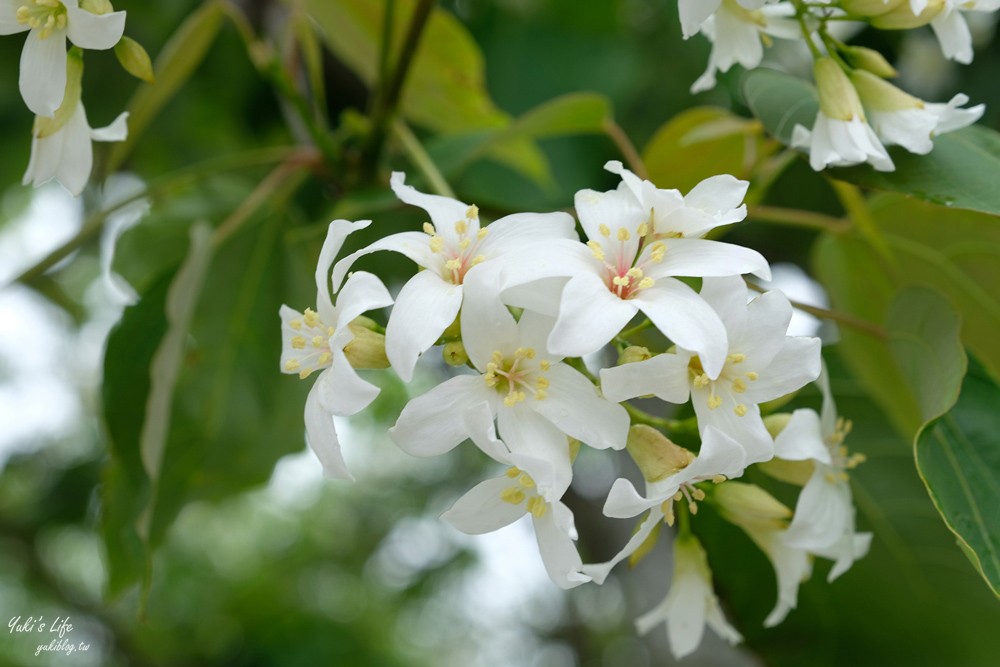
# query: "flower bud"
903,18
134,59
869,60
454,353
776,423
792,472
870,7
74,87
367,350
654,453
748,505
454,329
99,7
837,98
880,95
632,354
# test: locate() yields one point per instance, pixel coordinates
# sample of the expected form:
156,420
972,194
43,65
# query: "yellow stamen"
429,229
646,283
526,481
461,227
739,386
292,365
318,341
537,506
513,472
298,342
714,401
595,249
472,212
512,495
604,230
623,234
740,410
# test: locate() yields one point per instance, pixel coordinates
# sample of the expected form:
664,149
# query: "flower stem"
835,315
628,333
800,13
421,160
642,417
798,218
857,210
627,148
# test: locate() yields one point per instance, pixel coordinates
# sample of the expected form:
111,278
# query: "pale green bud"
632,354
367,350
880,95
99,7
748,505
837,98
793,472
454,329
870,60
903,18
134,59
654,453
870,7
454,353
74,87
775,424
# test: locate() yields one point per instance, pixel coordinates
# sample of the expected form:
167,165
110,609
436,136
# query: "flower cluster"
51,78
860,112
514,305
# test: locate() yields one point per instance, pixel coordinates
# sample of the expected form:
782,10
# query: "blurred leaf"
953,251
174,66
924,339
704,142
960,171
958,456
445,90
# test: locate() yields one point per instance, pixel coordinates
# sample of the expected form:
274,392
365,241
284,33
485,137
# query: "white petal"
322,437
849,548
589,317
46,155
533,330
424,308
336,234
574,406
478,421
824,512
728,298
598,572
720,196
431,424
413,245
487,325
93,31
624,501
791,567
523,230
116,131
763,335
612,209
802,438
541,296
701,258
444,211
719,455
694,12
77,157
950,117
953,34
361,293
481,510
747,430
341,390
559,554
665,376
533,438
43,72
796,365
9,25
686,319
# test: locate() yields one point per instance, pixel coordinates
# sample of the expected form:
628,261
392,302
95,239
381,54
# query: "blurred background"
261,561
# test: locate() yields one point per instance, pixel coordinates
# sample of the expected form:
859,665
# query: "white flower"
952,30
640,238
691,602
449,247
536,400
43,61
901,119
765,519
824,514
735,33
694,13
67,155
500,501
760,364
316,340
840,136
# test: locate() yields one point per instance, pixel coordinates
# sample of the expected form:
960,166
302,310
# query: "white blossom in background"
761,364
841,135
737,33
449,247
901,119
694,13
952,30
43,61
67,154
824,514
316,340
691,603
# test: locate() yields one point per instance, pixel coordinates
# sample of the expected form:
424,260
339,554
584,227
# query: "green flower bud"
654,453
903,18
793,472
880,95
454,329
367,350
775,424
454,353
837,97
870,7
748,505
632,354
99,7
870,60
134,59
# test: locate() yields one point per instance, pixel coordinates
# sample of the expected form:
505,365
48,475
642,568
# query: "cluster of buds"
515,305
860,112
51,79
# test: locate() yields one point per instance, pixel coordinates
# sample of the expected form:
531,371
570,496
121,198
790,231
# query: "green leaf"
958,456
703,142
174,66
960,172
953,251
